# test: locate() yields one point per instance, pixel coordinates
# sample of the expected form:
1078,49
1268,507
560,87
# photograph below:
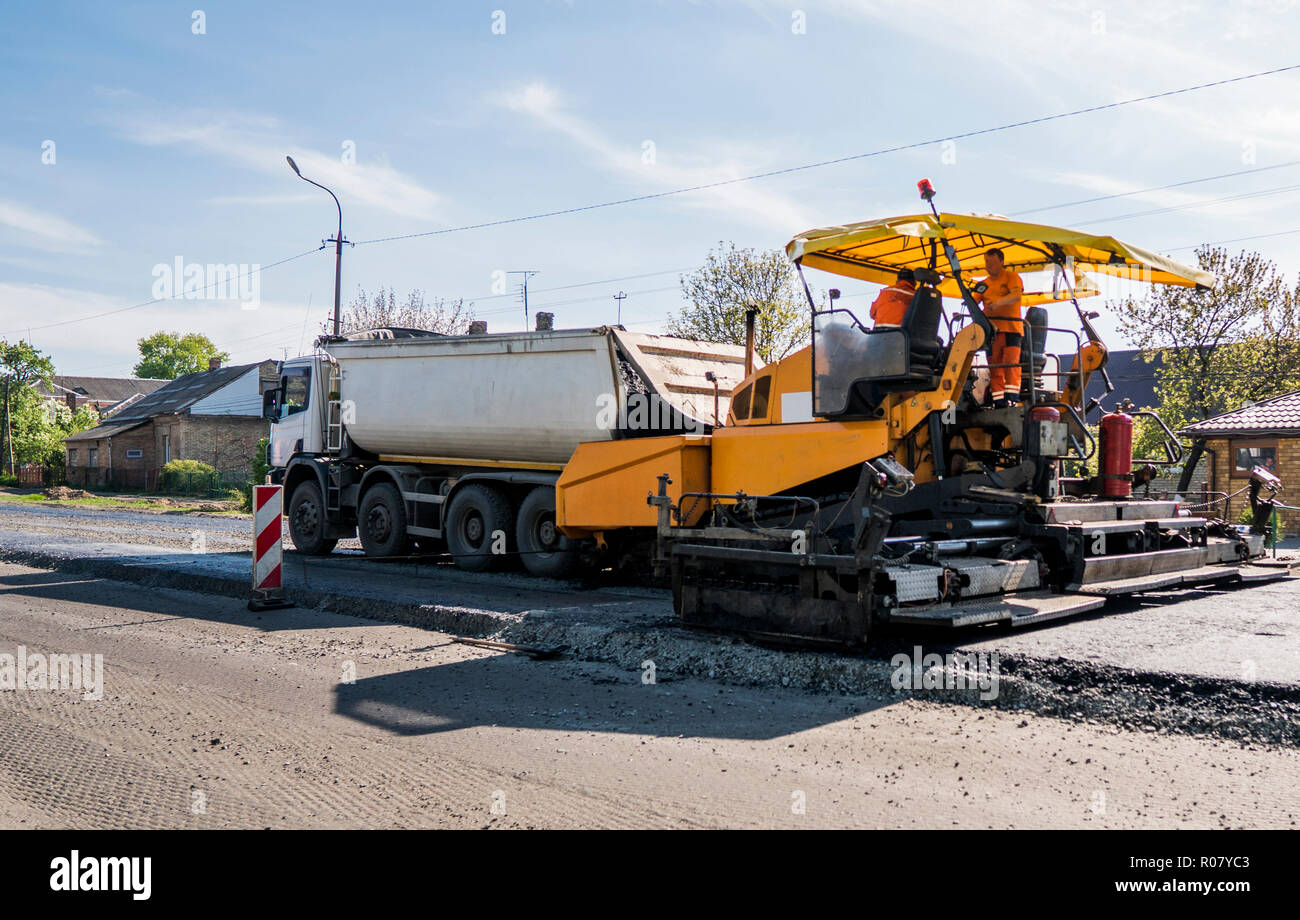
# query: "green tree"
732,280
366,311
21,365
1220,349
168,355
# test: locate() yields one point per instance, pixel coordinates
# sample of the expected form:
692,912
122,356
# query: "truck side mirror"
271,405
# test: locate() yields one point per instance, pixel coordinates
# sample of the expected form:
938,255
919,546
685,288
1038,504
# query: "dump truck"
863,482
420,442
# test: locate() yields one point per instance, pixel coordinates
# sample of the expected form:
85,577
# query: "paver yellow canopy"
875,250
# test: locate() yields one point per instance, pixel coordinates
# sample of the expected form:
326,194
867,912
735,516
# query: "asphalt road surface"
213,716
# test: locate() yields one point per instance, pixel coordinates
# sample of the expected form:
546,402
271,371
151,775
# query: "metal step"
995,576
1138,565
920,582
1090,512
1208,574
1257,574
1180,523
1017,610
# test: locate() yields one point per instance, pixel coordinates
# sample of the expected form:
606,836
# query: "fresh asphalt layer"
1222,661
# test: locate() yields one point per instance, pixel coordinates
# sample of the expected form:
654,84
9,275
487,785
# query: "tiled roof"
99,389
177,396
103,431
1281,414
181,393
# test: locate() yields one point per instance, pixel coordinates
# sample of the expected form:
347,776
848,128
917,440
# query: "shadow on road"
508,691
156,606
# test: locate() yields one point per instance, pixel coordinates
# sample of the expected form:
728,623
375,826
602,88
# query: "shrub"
260,469
188,477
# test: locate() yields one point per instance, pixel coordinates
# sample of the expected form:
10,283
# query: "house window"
167,448
1246,455
72,456
92,454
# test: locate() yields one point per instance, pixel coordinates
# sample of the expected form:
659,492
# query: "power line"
1239,239
181,295
1281,189
1156,188
845,159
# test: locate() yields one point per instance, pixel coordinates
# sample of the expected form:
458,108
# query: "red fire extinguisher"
1116,454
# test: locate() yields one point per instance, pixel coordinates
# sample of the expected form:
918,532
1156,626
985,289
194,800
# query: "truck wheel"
307,524
545,551
381,521
477,521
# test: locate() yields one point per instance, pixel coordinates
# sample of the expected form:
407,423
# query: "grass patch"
116,504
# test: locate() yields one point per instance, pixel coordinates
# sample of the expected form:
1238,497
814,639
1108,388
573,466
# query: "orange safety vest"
1008,318
891,306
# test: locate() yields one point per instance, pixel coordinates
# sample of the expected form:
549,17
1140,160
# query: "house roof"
181,393
99,389
177,396
1279,415
1132,376
103,431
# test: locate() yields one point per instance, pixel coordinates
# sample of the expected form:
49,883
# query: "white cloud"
47,229
1079,53
258,200
258,143
670,169
107,345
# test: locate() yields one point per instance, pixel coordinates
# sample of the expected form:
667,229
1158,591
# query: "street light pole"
337,241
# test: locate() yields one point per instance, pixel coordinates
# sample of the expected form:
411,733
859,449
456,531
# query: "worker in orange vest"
1001,301
891,306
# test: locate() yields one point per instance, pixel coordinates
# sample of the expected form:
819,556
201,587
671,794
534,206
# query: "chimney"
214,364
545,322
478,327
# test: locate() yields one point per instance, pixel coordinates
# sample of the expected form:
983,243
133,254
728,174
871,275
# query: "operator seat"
922,325
866,364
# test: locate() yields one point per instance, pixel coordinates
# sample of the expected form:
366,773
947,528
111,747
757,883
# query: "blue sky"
170,145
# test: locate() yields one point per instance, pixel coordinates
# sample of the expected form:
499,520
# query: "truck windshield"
295,384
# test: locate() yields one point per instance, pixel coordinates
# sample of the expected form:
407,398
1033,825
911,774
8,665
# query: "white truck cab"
297,410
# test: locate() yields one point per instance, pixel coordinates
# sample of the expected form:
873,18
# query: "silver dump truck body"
524,398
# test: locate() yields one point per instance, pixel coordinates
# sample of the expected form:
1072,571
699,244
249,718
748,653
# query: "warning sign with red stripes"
267,509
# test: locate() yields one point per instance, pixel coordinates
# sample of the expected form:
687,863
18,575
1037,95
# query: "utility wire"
1281,189
845,159
178,296
1157,188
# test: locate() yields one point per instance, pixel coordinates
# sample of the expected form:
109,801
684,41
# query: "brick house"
214,416
1265,434
103,394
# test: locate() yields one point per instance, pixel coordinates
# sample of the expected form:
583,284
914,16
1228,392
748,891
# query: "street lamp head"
294,167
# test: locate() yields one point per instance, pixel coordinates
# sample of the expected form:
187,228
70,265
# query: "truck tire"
381,521
476,513
307,524
544,550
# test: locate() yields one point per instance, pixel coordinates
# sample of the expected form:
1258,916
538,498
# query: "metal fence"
203,485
